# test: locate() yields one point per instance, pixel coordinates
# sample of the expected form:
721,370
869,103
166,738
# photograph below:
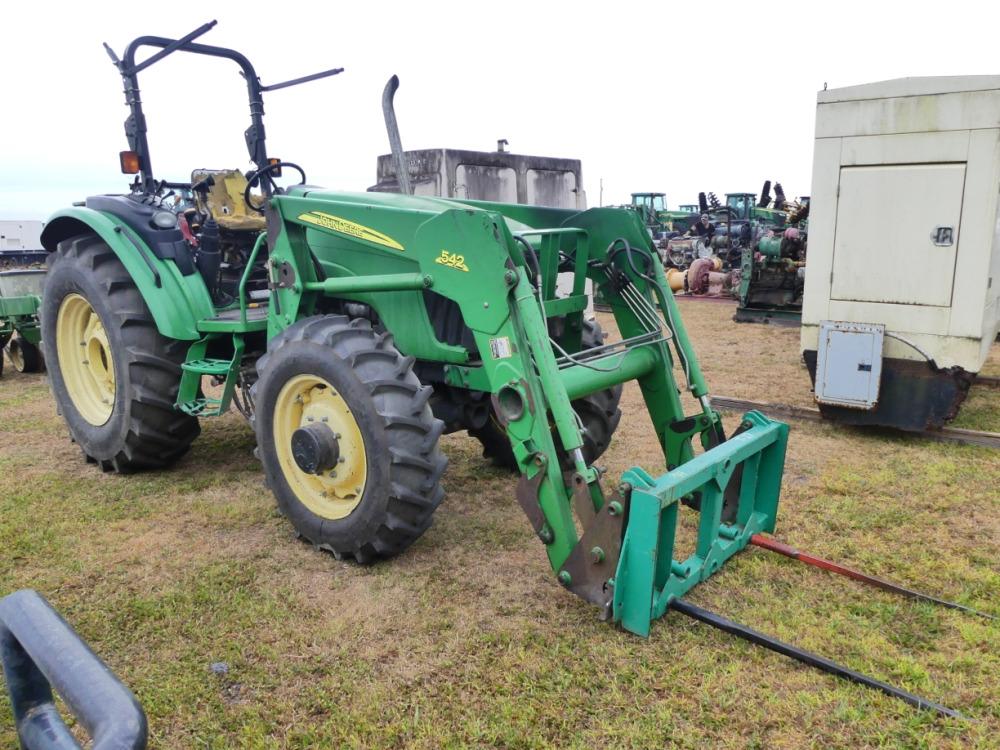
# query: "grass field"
468,640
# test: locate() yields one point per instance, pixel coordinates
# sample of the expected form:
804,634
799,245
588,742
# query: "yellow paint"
675,278
350,228
16,355
224,200
85,360
306,399
452,260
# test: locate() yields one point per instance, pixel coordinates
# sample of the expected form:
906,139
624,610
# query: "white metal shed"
904,246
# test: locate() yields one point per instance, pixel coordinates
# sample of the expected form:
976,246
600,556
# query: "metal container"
905,177
21,283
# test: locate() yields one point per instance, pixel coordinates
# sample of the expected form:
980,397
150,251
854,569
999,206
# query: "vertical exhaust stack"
392,127
779,197
765,195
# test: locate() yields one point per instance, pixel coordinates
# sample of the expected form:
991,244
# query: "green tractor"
354,329
660,219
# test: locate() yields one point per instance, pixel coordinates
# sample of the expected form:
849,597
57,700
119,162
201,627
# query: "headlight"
164,220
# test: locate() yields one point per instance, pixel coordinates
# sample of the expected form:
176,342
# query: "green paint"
177,304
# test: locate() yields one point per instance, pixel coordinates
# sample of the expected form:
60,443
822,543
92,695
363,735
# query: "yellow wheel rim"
85,359
16,355
307,399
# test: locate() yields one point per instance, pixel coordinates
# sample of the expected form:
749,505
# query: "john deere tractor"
354,329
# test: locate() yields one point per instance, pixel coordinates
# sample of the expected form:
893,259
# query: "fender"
177,302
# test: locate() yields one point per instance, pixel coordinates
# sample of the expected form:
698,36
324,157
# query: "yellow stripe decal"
350,228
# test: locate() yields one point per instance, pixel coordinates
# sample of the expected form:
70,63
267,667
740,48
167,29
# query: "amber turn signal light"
129,161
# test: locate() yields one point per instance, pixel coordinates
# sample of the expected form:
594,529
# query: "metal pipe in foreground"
41,651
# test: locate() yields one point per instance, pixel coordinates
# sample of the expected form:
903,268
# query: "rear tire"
378,489
125,421
25,356
599,413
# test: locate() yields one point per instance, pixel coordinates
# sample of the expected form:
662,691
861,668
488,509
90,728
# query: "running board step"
191,399
208,366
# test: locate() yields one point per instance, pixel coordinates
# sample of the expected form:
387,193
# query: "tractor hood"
517,217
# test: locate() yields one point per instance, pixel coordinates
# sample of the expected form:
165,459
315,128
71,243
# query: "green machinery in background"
353,329
763,241
660,219
773,271
21,278
738,223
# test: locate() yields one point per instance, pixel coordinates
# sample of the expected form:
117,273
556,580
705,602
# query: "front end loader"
354,329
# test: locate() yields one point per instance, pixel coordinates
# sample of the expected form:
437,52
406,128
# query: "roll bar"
135,125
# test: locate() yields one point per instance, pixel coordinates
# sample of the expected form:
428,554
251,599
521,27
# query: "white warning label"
500,347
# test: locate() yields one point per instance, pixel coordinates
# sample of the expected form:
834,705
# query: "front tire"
347,438
113,376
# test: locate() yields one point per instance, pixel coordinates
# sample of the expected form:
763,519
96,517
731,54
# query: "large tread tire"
599,413
144,430
390,406
25,356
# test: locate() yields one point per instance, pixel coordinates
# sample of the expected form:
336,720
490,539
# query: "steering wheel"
257,177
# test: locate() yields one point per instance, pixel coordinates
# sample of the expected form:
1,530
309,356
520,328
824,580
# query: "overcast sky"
671,97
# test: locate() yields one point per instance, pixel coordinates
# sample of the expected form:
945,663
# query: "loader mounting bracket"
590,568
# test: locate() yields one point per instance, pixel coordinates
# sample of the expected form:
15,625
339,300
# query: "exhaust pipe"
779,197
765,195
402,170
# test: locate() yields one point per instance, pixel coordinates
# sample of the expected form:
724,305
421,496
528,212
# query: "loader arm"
623,561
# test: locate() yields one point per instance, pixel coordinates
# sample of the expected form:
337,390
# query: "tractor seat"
224,200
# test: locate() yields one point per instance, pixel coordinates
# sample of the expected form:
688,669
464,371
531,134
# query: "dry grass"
467,640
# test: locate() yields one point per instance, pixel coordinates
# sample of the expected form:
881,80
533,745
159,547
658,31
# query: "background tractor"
354,329
660,219
22,272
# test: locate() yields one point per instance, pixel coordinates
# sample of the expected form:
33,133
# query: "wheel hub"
320,447
315,448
